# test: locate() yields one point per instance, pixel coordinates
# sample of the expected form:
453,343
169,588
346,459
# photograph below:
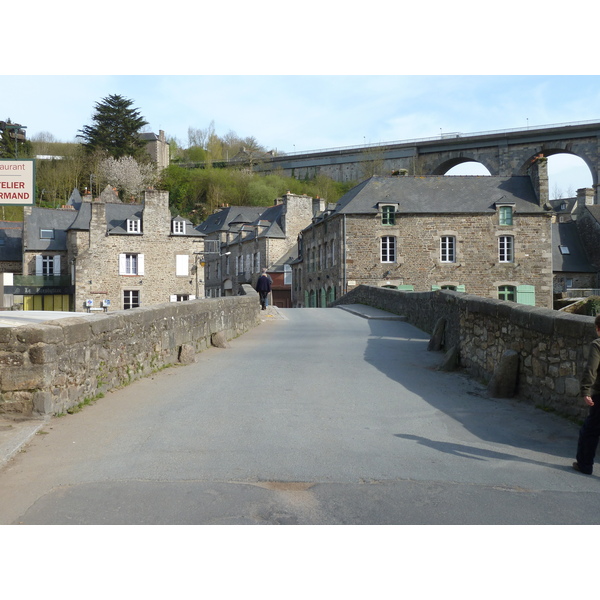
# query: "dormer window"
134,225
505,214
178,227
388,214
46,234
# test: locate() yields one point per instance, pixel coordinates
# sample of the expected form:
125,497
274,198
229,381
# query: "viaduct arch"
503,153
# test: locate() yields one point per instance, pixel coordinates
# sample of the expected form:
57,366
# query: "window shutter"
121,264
526,295
181,265
57,265
435,288
460,288
140,264
173,298
38,264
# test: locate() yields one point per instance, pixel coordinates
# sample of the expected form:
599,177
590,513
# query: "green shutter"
406,288
460,288
435,288
526,294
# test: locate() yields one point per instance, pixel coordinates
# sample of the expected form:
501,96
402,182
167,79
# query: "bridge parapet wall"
53,366
552,346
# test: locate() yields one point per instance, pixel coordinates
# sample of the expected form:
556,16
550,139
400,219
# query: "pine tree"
116,128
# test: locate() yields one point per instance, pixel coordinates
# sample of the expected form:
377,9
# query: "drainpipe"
345,282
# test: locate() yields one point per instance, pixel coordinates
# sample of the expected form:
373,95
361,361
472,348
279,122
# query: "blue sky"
301,112
309,77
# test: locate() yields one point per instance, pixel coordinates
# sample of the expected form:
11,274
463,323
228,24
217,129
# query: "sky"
293,113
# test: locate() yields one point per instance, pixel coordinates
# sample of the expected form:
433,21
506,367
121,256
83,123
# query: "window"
257,262
388,249
388,215
287,275
46,234
564,249
179,227
131,299
447,249
505,248
134,225
131,264
47,264
507,292
506,215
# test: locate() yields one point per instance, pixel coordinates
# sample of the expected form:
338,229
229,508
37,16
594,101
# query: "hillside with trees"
200,178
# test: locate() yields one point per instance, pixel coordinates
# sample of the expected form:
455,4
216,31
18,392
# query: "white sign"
17,182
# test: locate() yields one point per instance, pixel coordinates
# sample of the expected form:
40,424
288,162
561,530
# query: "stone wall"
50,367
552,346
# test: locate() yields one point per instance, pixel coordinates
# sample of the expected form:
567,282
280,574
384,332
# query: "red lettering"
12,184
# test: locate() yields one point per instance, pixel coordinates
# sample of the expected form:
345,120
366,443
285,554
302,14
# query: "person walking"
263,287
589,434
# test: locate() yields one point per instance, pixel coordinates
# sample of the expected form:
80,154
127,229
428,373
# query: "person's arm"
590,373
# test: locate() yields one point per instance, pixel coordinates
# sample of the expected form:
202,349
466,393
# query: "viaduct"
503,153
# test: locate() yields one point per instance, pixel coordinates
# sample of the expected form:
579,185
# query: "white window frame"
506,248
46,234
448,249
131,263
387,249
178,227
128,299
134,226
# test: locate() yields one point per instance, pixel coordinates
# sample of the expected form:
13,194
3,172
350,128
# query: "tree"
127,175
116,128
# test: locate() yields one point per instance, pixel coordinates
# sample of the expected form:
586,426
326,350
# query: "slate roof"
441,194
11,241
222,220
234,218
594,210
48,218
565,234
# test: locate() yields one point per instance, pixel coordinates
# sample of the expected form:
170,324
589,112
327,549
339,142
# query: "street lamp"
16,128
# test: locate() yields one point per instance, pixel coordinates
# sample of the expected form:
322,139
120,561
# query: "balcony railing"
42,280
581,292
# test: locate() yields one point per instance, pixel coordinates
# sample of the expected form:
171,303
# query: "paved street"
317,416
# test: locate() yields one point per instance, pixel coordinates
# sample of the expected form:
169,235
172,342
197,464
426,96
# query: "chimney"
318,206
585,197
538,172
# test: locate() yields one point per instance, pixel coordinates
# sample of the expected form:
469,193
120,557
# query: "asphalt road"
317,416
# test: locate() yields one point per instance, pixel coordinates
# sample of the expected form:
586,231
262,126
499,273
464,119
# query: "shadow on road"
399,350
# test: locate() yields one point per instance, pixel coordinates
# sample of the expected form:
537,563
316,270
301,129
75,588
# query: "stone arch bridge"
503,153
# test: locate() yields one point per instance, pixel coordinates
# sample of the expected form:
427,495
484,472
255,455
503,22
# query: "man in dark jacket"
589,433
263,287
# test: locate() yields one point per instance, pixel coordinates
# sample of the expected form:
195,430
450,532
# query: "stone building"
488,236
106,255
251,238
158,148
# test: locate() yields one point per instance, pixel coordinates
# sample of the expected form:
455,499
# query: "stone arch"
443,167
553,151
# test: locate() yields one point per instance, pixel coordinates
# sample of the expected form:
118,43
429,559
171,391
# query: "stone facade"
445,233
113,255
252,238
